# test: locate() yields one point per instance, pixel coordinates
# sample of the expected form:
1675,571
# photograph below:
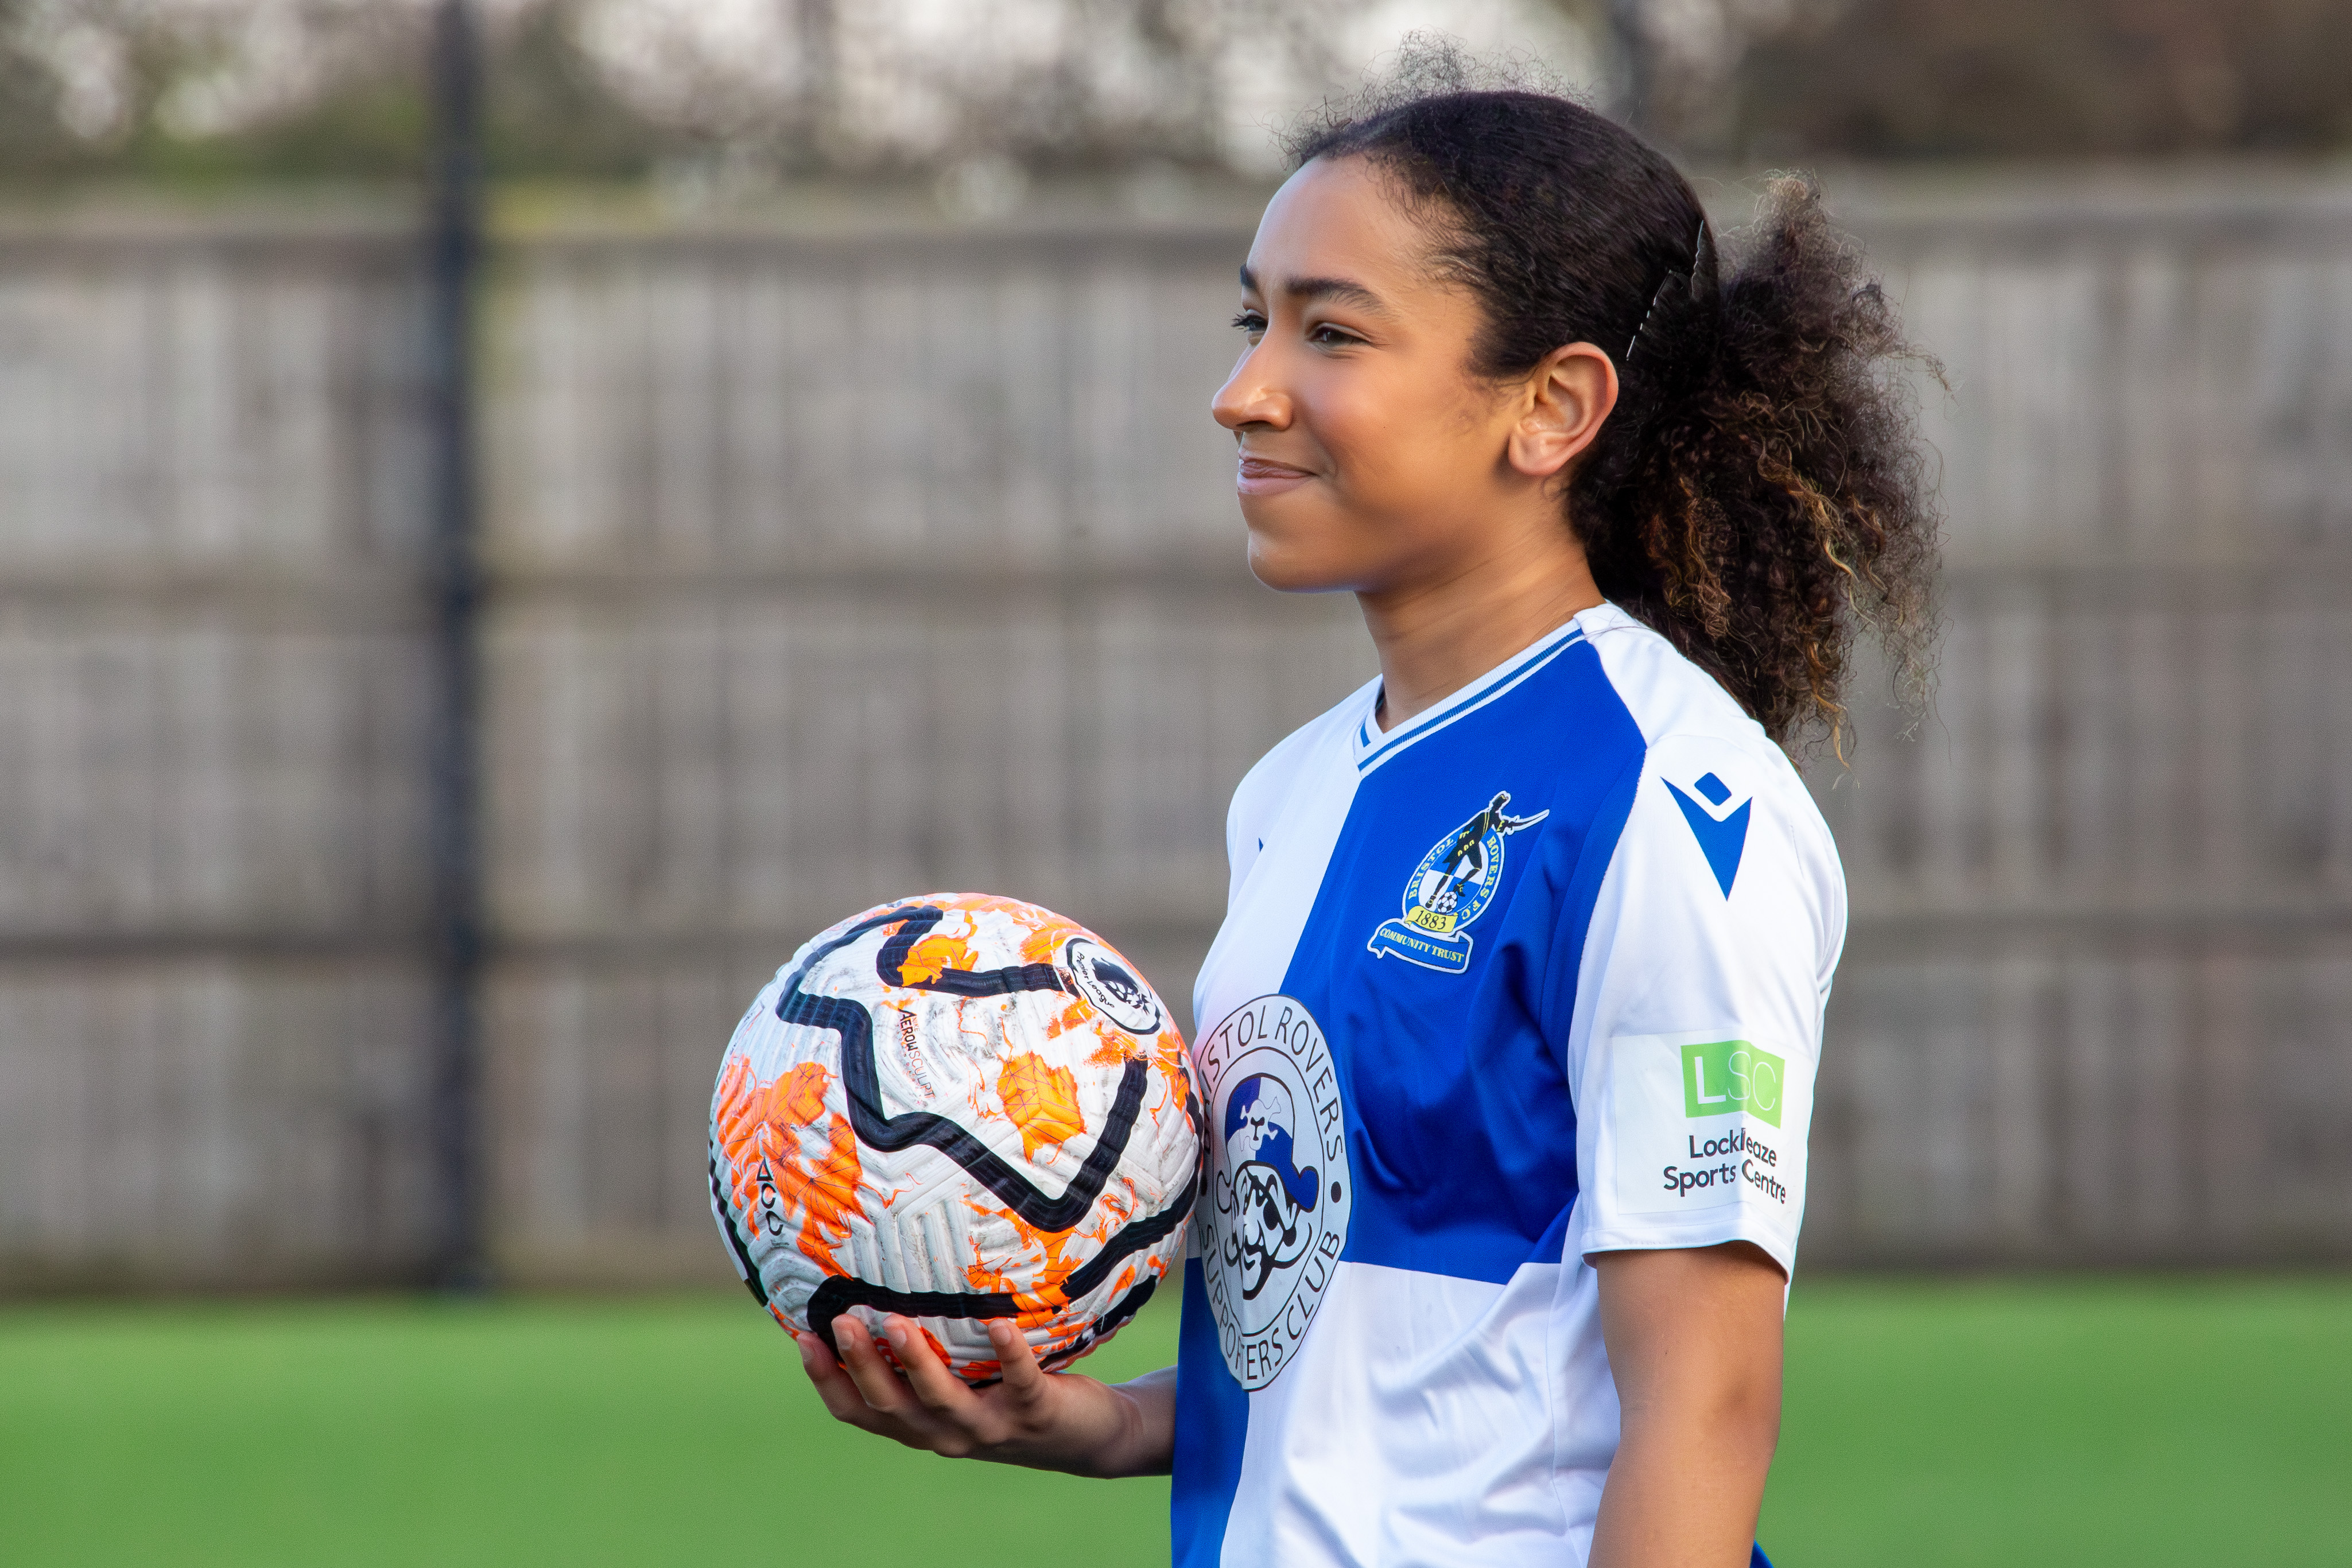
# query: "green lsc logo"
1725,1075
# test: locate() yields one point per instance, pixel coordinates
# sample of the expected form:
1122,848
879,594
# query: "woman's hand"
1049,1421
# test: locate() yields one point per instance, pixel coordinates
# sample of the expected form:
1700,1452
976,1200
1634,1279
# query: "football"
956,1108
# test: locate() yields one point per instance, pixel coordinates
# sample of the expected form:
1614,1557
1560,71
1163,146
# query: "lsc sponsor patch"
1700,1124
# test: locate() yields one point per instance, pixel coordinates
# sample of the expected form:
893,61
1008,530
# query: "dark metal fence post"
456,250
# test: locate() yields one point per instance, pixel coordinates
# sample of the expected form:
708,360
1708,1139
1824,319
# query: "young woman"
1507,1042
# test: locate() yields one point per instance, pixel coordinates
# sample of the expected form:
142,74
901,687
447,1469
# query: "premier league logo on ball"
1277,1216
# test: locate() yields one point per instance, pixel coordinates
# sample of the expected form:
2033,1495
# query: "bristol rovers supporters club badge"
1279,1191
1451,887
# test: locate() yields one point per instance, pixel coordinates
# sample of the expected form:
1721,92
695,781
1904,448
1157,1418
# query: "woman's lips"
1260,478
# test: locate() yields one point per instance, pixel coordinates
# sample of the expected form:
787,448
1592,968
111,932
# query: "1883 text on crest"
1279,1190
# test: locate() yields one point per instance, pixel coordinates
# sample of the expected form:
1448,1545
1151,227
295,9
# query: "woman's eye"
1250,322
1331,337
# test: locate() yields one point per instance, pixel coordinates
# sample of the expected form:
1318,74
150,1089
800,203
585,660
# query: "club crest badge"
1451,887
1274,1218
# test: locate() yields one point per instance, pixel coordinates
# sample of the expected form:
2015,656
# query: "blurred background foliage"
984,94
1916,78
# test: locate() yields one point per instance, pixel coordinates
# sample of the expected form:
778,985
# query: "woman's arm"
1048,1421
1693,1340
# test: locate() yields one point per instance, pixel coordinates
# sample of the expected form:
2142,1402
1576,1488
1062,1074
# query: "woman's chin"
1289,572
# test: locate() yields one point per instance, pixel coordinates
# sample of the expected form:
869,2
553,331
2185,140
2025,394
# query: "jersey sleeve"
1699,993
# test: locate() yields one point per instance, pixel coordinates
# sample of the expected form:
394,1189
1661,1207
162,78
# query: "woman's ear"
1566,397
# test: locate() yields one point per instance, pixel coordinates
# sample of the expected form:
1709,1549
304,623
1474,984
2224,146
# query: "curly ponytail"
1759,496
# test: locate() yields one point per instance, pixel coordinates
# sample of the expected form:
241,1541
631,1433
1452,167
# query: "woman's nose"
1246,398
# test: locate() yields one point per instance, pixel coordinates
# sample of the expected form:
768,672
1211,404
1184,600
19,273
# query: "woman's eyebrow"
1344,291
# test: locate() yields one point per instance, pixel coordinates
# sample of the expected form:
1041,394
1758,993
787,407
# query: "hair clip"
1700,286
1706,288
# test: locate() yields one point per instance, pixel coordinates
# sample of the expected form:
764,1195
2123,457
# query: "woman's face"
1371,458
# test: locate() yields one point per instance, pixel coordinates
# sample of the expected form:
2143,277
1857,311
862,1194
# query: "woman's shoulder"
1713,782
1684,716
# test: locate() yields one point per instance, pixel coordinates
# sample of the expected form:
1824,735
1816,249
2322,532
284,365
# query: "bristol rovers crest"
1276,1218
1451,887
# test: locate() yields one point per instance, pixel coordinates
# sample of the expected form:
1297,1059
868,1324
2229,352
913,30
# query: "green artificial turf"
2076,1423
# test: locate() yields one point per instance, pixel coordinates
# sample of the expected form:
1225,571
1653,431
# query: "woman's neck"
1443,631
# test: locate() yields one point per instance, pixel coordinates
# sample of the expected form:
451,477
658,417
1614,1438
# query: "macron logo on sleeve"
1721,837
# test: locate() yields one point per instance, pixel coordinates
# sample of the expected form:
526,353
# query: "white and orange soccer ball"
956,1108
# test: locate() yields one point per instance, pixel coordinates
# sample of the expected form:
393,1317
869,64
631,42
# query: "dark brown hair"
1759,495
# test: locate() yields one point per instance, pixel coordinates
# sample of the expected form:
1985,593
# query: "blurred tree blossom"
916,81
982,95
794,86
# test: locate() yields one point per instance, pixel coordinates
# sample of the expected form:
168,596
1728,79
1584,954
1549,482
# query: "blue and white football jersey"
1536,974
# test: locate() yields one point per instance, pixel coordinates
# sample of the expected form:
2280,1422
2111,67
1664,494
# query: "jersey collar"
1373,747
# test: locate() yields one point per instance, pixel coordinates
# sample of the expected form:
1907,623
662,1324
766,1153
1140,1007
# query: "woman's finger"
1025,1380
926,1374
841,1397
881,1387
